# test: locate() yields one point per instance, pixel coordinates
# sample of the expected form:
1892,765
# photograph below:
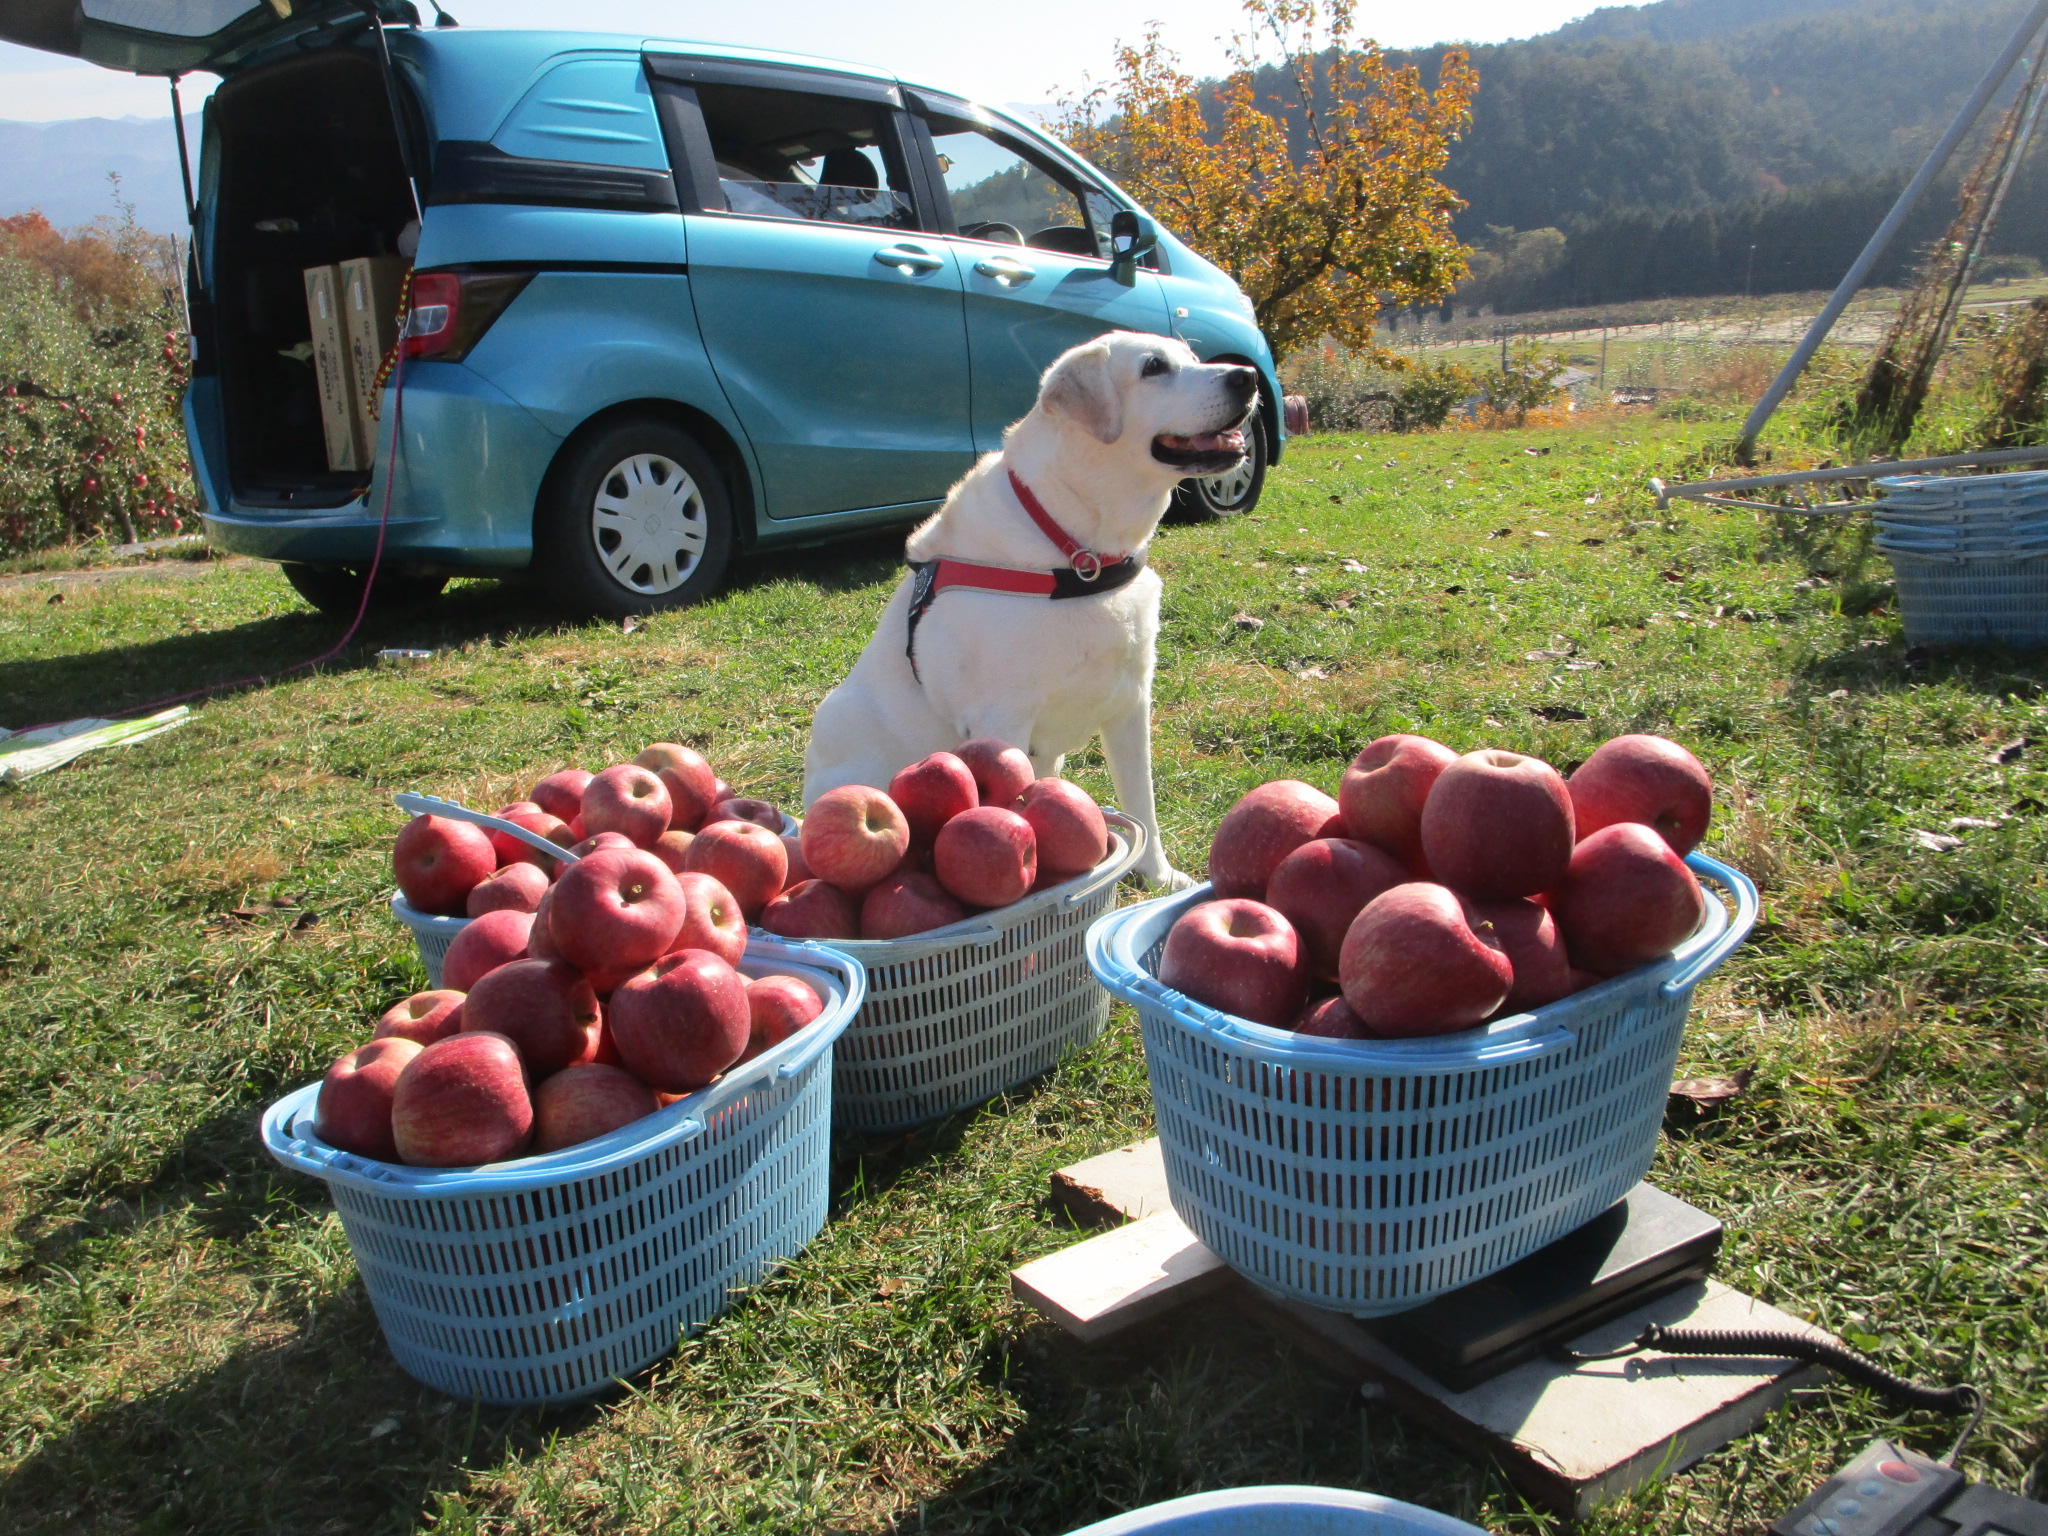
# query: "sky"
1043,50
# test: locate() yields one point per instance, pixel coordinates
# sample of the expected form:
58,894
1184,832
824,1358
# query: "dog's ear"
1079,387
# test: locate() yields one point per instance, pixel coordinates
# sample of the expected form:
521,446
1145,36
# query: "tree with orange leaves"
1322,202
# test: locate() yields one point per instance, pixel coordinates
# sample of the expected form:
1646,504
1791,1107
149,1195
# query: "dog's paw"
1169,882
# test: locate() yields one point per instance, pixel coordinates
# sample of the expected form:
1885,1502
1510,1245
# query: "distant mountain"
61,168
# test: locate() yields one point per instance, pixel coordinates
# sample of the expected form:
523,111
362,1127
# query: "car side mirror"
1131,235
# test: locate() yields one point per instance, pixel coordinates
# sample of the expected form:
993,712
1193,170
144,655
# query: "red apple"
354,1108
495,939
514,888
629,799
813,909
744,857
793,849
986,857
584,1102
691,785
437,863
1528,935
1000,770
931,792
546,1009
673,849
711,919
1413,964
777,1007
616,909
530,816
1582,979
907,902
1331,1018
583,848
422,1018
1498,824
1384,790
1072,836
760,812
853,836
561,794
1646,779
1239,956
1627,900
540,938
1322,886
681,1023
720,790
1259,831
461,1102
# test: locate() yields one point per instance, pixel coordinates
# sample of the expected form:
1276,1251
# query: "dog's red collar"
1086,563
931,577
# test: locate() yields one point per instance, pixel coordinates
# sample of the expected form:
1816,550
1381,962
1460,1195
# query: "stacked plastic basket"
1970,553
958,1015
1368,1176
542,1279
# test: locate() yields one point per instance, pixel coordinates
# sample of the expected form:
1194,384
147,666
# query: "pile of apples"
954,834
1438,891
662,801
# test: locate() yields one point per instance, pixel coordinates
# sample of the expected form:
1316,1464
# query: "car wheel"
337,590
635,519
1234,492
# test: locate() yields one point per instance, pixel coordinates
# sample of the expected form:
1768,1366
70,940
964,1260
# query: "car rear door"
831,314
1032,240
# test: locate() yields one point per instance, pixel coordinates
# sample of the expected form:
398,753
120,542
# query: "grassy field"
183,1342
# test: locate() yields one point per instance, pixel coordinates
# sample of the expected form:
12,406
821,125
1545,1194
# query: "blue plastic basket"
543,1279
1968,554
1281,1511
1369,1176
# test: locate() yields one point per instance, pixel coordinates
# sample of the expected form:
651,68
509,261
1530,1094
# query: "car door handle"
908,259
1011,274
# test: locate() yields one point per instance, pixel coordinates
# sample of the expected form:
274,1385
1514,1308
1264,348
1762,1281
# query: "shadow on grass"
309,1428
845,566
1200,1399
117,677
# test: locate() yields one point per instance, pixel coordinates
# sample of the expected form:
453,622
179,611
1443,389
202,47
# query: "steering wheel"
1006,234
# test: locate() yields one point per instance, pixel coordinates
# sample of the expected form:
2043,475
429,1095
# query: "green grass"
183,1341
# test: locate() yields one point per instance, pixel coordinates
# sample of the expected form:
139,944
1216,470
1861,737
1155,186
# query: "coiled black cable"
1860,1369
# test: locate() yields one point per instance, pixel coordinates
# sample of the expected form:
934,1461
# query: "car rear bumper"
462,498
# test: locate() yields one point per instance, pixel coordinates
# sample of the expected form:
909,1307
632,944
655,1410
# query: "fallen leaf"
891,1286
1336,500
55,598
1592,543
1839,693
1538,533
1557,714
1545,655
304,921
1452,591
1711,1092
1246,621
1312,674
1298,570
383,1427
629,623
1998,757
1592,501
1972,824
1353,566
1936,842
1671,575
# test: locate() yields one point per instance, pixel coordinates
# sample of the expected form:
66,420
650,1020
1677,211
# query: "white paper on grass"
24,754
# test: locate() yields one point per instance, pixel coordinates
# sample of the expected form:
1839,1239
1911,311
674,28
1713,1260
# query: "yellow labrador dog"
1029,614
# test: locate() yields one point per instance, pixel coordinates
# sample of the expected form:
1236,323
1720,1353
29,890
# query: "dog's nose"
1242,382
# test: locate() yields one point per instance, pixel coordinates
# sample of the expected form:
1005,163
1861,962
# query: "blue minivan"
669,300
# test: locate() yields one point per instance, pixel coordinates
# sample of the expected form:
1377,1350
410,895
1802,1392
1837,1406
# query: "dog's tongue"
1205,442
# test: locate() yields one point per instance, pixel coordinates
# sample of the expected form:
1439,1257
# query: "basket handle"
429,805
1738,885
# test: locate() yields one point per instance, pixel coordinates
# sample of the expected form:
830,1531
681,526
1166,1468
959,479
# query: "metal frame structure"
1714,493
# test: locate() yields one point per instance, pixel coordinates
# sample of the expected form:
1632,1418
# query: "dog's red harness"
1086,573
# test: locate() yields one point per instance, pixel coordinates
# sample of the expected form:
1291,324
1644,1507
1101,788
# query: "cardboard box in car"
331,370
369,313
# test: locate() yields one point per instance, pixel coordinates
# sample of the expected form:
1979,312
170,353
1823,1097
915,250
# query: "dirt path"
166,570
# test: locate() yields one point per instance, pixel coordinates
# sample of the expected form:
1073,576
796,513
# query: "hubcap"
1226,490
649,524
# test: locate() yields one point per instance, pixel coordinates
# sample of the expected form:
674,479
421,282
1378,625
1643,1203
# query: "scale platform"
1569,1436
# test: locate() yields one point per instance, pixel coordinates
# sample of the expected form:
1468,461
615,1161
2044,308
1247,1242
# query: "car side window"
791,155
1001,194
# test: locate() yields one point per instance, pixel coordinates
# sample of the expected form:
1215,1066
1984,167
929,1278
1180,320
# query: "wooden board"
1570,1437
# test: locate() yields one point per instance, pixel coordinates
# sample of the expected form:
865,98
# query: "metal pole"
1909,199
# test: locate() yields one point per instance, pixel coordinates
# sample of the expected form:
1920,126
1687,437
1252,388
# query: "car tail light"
452,310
